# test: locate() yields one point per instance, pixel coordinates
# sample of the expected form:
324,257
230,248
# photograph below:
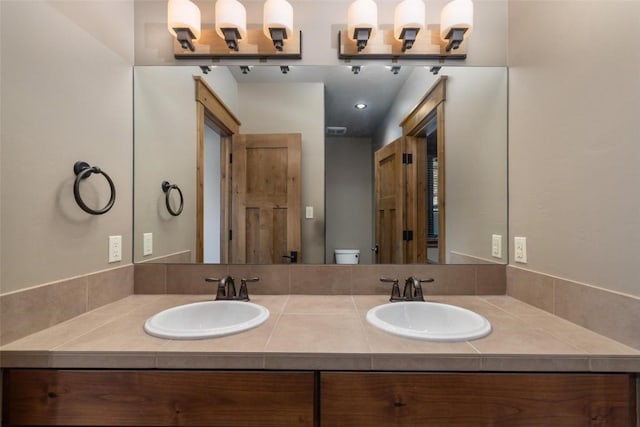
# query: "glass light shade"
183,14
277,14
456,14
231,14
362,14
408,14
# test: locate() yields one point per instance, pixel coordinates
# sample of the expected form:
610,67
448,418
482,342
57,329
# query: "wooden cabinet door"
389,191
158,398
266,198
472,399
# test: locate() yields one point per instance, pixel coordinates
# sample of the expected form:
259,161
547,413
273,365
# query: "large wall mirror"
455,181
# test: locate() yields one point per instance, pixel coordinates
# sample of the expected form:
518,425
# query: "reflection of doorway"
410,197
212,204
266,199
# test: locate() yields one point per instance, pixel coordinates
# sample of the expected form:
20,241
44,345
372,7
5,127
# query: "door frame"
212,112
413,125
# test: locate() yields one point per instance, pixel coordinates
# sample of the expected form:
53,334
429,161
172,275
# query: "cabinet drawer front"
420,399
159,398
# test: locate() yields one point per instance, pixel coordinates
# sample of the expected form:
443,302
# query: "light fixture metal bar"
254,46
384,46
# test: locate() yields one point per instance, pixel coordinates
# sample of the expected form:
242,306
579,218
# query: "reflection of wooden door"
266,198
389,188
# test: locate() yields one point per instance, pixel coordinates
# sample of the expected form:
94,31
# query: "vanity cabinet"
285,398
158,398
476,399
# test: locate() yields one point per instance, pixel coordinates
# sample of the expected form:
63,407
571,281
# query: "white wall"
212,196
165,149
66,95
574,133
293,108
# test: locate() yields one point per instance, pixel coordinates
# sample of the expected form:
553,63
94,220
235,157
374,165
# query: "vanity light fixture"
410,37
245,69
284,69
231,22
408,21
360,106
277,21
435,70
362,21
183,21
456,22
205,69
230,37
355,69
395,69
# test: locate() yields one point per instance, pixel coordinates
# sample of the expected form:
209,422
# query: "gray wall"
349,196
66,95
165,135
574,139
475,133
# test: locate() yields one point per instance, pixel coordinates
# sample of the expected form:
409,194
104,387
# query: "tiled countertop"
322,332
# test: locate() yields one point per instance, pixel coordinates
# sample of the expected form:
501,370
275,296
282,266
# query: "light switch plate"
520,249
147,238
496,246
309,212
115,248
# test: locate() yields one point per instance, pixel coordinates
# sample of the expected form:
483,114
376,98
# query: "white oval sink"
429,321
206,319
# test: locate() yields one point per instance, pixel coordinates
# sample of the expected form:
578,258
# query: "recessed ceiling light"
360,106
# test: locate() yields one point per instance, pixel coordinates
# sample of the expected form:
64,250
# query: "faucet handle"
243,294
221,292
417,293
395,290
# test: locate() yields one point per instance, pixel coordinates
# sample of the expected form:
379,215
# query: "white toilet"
347,256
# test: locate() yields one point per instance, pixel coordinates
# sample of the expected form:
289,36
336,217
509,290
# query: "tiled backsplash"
320,279
25,312
603,311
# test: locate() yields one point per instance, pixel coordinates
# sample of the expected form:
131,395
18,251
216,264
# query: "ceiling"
375,86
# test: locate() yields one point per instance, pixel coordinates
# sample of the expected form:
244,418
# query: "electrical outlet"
147,239
520,249
309,212
115,248
496,246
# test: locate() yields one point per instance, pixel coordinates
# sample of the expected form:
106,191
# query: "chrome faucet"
412,289
227,288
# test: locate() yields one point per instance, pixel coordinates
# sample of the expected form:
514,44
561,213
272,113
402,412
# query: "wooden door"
265,198
389,190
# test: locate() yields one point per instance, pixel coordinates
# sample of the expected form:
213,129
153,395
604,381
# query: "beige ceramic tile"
274,279
310,333
535,363
425,362
364,303
533,288
126,333
315,304
275,303
45,305
459,280
109,286
320,279
103,360
189,278
439,273
150,278
56,335
318,361
491,280
615,364
181,360
513,306
24,359
614,315
365,279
